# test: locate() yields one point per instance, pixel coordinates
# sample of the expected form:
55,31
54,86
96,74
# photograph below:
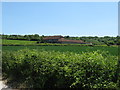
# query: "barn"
61,39
52,39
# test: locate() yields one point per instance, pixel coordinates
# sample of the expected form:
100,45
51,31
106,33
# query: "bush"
50,69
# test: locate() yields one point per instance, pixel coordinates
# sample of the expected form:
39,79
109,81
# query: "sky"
60,18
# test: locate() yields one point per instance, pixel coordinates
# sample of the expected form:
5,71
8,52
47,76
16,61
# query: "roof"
73,41
61,39
52,37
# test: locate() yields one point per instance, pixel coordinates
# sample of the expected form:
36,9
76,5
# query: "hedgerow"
51,69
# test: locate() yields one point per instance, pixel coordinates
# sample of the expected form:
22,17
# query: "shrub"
50,69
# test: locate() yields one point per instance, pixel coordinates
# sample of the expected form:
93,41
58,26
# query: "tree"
41,39
27,37
67,36
110,43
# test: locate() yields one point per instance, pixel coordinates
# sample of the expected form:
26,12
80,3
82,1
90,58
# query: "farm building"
52,39
61,39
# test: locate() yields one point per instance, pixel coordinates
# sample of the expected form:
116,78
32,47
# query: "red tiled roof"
61,39
73,41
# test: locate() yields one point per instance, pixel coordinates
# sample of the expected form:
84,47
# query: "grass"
17,42
13,45
76,49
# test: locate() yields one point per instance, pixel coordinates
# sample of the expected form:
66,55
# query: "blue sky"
60,18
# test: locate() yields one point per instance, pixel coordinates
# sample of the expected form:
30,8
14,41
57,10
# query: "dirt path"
2,85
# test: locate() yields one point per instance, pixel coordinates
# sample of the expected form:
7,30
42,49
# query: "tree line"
98,40
107,40
34,37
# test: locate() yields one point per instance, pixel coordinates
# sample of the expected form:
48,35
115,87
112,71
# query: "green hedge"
49,69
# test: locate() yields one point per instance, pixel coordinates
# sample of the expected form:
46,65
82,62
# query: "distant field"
6,42
25,43
56,47
17,42
76,49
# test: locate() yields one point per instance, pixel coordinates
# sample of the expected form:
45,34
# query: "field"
17,42
6,42
75,49
60,66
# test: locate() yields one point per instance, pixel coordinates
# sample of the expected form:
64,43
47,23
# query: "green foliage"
41,40
51,69
110,43
34,37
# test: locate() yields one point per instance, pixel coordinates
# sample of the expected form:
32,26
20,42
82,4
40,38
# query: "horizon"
61,18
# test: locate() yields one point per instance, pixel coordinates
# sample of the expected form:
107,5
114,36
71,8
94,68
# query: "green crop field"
59,66
17,42
76,49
